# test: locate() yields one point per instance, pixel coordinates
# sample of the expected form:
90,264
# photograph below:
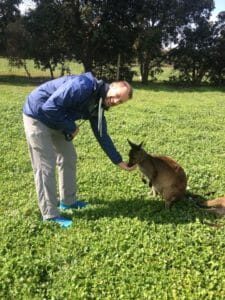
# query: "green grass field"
125,245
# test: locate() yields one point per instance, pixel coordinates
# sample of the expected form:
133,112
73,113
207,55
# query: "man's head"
119,92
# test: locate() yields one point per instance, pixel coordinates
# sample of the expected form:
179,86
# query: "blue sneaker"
75,205
63,222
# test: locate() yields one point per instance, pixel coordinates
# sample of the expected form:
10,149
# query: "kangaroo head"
136,154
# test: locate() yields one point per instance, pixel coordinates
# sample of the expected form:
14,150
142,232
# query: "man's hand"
70,136
123,165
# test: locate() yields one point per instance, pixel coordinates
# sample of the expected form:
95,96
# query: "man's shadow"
150,210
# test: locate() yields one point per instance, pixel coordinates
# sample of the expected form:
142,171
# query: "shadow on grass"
22,80
182,212
172,87
156,86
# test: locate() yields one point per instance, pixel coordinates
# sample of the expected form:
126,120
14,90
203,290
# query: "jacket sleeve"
68,96
105,141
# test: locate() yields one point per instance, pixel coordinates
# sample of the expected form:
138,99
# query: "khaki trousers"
48,149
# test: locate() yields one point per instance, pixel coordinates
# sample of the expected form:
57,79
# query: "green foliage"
125,245
217,62
163,22
109,73
8,12
44,26
199,55
95,33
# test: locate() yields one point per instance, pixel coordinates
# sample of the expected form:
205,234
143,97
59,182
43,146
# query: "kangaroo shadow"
150,210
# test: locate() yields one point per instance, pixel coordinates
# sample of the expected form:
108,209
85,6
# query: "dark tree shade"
8,12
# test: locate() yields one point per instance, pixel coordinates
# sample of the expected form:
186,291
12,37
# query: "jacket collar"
103,90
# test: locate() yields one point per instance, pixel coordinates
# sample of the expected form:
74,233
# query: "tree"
192,55
46,35
18,45
94,33
8,12
99,32
217,55
161,22
149,52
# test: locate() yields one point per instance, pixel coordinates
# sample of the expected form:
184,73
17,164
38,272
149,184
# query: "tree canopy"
8,13
105,35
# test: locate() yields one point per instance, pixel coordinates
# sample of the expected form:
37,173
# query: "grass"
6,69
125,245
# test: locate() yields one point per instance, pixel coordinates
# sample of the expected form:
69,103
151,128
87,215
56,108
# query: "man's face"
116,95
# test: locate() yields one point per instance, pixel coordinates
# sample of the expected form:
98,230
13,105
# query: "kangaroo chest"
148,169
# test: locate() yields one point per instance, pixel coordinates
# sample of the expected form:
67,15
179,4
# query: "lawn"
125,245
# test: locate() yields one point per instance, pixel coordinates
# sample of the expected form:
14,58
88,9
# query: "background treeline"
108,37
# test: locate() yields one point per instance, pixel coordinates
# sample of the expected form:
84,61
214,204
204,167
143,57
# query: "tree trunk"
51,71
88,65
144,69
26,69
62,69
193,79
118,68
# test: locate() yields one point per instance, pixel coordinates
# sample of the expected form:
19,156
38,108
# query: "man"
49,116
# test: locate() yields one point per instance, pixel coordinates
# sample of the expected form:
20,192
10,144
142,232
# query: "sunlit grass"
6,69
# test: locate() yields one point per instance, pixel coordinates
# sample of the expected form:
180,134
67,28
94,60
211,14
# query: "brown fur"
218,202
216,205
165,175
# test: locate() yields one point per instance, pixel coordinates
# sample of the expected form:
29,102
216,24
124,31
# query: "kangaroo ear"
131,144
141,144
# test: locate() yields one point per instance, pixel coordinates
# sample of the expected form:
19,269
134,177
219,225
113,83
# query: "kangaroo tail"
216,206
216,203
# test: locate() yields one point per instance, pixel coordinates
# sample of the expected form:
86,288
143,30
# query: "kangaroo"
166,177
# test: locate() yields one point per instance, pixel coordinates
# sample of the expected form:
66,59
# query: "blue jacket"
60,102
